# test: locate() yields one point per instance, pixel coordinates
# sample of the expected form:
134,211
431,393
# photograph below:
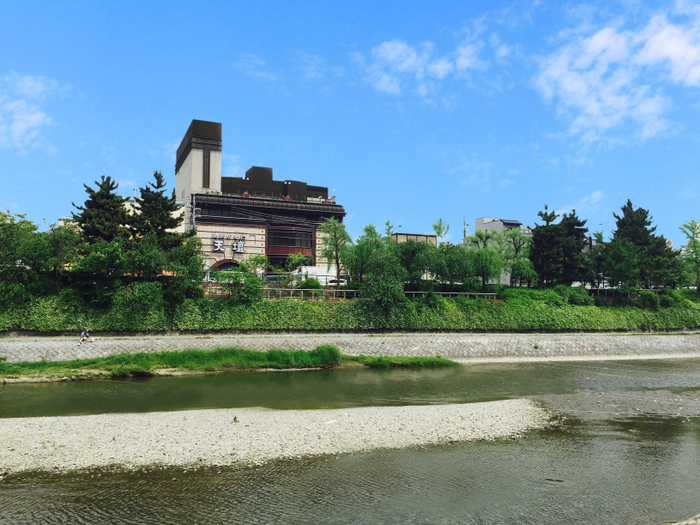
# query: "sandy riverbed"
229,437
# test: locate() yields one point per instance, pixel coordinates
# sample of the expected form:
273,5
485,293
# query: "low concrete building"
417,237
499,225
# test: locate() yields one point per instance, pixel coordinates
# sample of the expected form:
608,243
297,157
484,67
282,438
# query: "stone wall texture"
487,347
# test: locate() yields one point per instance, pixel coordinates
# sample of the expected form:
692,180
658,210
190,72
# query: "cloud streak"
254,67
395,66
605,77
22,115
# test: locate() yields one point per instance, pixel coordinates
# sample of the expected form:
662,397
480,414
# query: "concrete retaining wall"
455,346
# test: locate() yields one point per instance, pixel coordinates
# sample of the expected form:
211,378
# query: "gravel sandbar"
228,437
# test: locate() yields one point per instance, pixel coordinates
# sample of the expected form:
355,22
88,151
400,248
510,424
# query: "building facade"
499,225
236,217
416,237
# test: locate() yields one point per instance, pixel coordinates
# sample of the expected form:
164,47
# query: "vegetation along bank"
199,361
113,270
512,310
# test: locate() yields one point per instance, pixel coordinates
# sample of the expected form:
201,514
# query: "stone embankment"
230,437
460,347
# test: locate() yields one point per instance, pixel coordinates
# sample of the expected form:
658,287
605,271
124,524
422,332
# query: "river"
628,450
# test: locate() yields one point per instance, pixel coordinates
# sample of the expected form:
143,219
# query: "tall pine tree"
546,252
658,263
103,217
573,240
155,214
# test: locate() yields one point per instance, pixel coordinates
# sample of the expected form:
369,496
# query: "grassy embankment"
202,361
516,310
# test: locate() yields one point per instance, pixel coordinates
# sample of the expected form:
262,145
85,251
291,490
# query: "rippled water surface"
629,451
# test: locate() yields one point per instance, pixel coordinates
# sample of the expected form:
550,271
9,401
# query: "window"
292,239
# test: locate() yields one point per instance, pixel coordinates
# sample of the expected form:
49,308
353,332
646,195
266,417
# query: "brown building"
237,217
417,237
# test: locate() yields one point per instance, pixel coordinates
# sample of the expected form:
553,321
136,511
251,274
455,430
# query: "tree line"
108,251
103,252
558,250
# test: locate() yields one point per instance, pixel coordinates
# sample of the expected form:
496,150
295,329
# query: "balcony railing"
308,294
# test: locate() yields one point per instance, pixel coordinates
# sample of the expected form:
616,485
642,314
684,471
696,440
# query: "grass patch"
207,361
146,364
398,362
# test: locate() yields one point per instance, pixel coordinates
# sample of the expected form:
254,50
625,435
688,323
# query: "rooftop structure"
416,237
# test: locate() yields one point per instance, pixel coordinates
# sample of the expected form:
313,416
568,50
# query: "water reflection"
346,388
595,472
629,451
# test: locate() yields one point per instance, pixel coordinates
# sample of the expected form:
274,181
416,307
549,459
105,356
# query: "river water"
628,451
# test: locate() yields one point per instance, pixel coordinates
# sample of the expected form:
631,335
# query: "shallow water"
346,387
629,451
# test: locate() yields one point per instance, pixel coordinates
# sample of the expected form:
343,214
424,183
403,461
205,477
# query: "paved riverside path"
458,346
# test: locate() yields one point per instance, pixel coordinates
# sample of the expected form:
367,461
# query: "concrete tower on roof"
198,161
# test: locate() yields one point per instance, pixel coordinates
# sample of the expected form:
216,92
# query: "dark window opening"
290,239
205,169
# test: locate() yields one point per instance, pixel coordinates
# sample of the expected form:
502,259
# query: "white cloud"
584,206
22,115
313,67
395,66
255,67
469,170
605,77
673,46
232,165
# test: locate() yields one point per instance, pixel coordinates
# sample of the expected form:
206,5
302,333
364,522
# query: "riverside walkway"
491,347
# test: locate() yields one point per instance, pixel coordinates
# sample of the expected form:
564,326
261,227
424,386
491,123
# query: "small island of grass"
147,364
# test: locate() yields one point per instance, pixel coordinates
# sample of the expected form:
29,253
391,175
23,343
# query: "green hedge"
134,312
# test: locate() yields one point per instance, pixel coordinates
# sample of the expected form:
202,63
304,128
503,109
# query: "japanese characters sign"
218,242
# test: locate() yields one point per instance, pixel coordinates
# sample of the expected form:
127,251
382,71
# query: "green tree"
416,258
441,228
622,263
100,271
691,251
658,262
103,217
546,252
335,239
155,214
243,283
357,258
595,263
573,240
184,272
516,254
485,255
17,235
61,253
451,265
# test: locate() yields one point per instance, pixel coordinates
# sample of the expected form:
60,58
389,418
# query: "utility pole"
464,220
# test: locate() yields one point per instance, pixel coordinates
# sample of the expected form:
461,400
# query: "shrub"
576,295
310,284
431,301
325,355
528,295
669,297
138,307
647,300
691,294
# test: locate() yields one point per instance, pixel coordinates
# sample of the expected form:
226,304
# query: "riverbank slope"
456,346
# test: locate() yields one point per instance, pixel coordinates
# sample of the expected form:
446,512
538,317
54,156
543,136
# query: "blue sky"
440,109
